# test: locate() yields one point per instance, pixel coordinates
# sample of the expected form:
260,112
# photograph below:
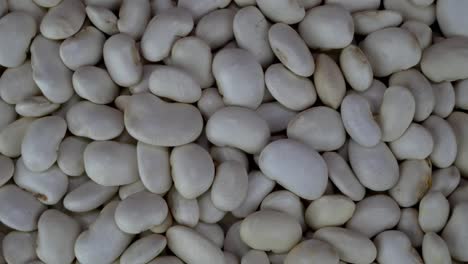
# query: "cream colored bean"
103,19
162,228
351,246
445,180
359,122
416,143
435,250
129,189
48,186
185,211
63,20
343,177
154,168
52,77
458,122
329,210
356,68
194,56
216,27
286,171
319,127
17,84
327,27
410,226
444,95
70,155
445,60
19,247
133,17
56,237
94,84
88,196
182,124
375,167
410,11
374,95
104,231
449,19
419,87
98,122
250,92
82,49
7,114
422,32
374,214
122,60
312,251
111,163
376,47
368,21
163,30
174,84
41,142
192,247
243,3
293,91
27,209
140,211
356,5
166,260
396,112
455,232
291,50
11,137
249,133
253,39
414,182
329,81
434,211
192,170
255,257
286,202
445,144
144,249
230,186
208,211
459,195
259,186
47,3
35,106
6,169
395,247
276,115
262,229
17,29
200,8
233,241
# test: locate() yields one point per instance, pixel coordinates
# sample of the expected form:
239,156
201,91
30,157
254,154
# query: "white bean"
356,68
216,27
410,226
154,167
144,249
276,115
94,84
434,211
329,210
63,20
458,122
88,196
416,143
17,84
327,27
356,5
35,106
283,11
11,137
455,232
422,32
103,19
395,247
19,247
41,142
182,125
445,145
293,91
230,186
444,95
140,211
48,186
368,21
185,211
450,21
95,121
208,211
312,250
174,84
410,11
133,17
292,173
56,237
435,250
286,202
445,180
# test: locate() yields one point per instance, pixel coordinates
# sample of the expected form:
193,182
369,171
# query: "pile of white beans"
233,131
